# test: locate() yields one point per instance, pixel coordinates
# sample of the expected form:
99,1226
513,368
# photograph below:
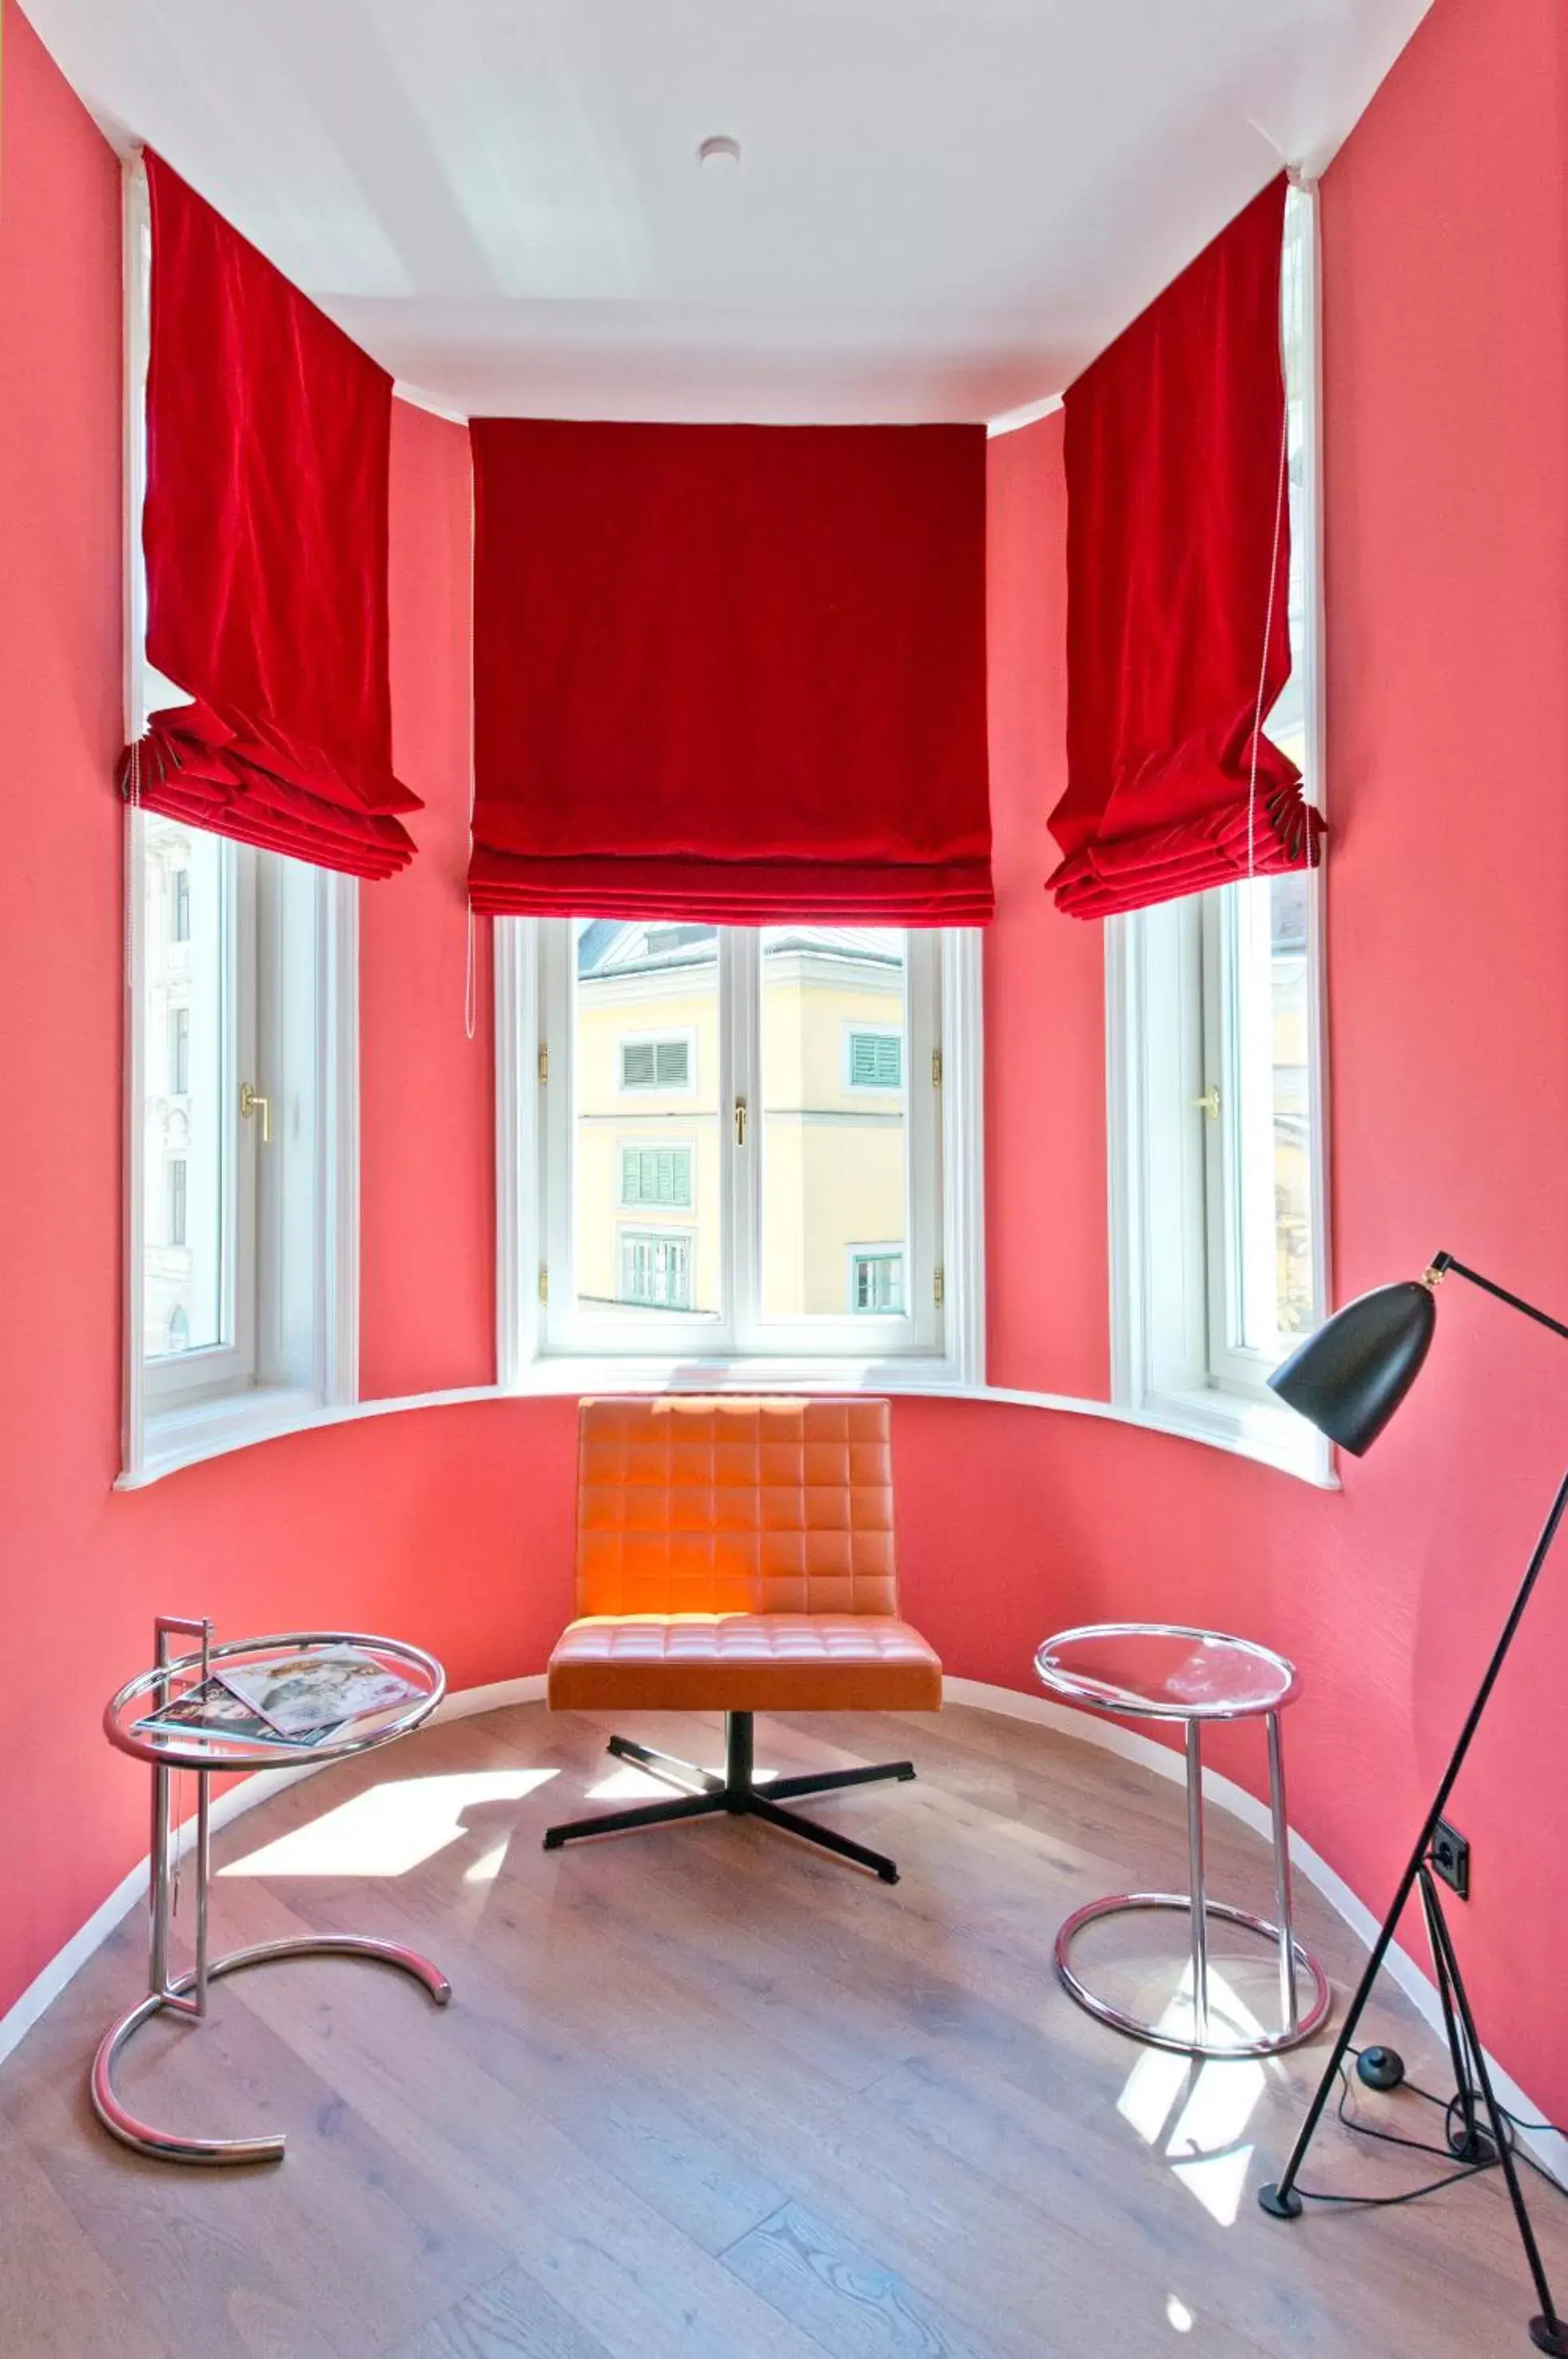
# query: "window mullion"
740,953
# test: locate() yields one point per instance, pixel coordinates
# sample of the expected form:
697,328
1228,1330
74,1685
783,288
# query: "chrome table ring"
1152,1671
204,1752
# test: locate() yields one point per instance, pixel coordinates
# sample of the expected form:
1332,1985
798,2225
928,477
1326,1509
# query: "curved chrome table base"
170,2146
1271,2043
1161,1670
204,1751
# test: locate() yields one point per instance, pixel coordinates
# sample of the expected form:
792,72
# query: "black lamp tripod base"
1383,2068
1348,1379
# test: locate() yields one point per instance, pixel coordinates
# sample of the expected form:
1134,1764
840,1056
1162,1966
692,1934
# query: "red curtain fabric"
1178,569
264,532
734,673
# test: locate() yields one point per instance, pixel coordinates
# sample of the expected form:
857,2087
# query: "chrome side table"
1152,1671
204,1752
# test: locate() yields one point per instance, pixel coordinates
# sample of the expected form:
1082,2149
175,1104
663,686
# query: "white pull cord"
1280,496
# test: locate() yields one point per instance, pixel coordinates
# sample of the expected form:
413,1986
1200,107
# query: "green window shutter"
637,1065
672,1063
875,1060
656,1175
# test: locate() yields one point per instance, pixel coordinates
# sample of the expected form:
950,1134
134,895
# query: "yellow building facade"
831,1130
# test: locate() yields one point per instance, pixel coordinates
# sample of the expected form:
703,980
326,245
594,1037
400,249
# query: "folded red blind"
264,532
1178,569
734,673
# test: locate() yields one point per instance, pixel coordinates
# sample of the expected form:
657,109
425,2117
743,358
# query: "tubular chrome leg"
1196,1893
1295,1961
1283,1910
171,2146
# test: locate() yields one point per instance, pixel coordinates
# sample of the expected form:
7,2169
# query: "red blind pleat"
264,531
733,673
1178,569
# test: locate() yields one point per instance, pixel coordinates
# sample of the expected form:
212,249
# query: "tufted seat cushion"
743,1662
736,1555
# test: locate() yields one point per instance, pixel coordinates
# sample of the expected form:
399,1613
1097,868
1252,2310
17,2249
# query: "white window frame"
944,1095
293,962
1166,1002
637,1090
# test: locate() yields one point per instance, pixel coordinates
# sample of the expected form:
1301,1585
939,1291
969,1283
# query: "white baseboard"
46,1987
1549,2147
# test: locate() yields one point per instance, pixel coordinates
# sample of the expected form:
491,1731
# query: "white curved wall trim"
1549,2147
1271,1442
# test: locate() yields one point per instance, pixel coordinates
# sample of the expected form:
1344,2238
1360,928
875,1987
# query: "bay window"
240,1285
702,1126
1216,1040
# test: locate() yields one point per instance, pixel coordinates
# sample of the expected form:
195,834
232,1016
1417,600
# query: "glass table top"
241,1739
1156,1670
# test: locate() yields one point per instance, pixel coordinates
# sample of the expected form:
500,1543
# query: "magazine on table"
211,1710
308,1696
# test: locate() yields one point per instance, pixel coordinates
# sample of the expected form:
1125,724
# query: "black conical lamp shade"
1351,1376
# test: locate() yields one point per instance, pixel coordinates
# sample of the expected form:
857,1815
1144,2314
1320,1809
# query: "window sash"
740,1331
171,1378
1176,1027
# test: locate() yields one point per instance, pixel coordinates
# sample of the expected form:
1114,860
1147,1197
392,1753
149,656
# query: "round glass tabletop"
375,1689
1160,1670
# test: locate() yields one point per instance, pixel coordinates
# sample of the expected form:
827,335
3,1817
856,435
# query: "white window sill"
1272,1435
1266,1431
183,1436
569,1373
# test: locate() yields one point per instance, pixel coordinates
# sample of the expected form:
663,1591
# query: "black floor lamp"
1349,1378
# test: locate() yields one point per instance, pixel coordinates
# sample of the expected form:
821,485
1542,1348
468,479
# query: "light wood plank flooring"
703,2094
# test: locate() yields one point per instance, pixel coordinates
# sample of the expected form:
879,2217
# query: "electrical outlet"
1451,1857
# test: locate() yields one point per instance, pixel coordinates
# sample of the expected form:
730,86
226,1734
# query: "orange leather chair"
737,1555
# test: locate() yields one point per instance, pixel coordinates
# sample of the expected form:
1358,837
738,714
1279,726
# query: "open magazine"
210,1710
297,1700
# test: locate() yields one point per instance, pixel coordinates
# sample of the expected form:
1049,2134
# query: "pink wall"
452,1526
1445,361
428,1205
1445,271
1046,1322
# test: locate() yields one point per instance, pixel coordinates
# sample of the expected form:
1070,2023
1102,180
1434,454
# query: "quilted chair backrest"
691,1505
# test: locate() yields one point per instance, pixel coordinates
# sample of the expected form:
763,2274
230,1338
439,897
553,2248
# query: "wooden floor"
703,2093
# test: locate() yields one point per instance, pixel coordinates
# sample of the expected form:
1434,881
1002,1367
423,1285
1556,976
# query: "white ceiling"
945,207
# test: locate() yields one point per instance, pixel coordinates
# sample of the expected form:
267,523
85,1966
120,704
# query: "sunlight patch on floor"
389,1829
1203,2140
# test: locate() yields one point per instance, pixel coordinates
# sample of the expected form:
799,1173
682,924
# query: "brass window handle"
251,1101
1209,1102
740,1122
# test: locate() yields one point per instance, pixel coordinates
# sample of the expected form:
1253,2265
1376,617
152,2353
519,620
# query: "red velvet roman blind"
1178,566
264,530
734,673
